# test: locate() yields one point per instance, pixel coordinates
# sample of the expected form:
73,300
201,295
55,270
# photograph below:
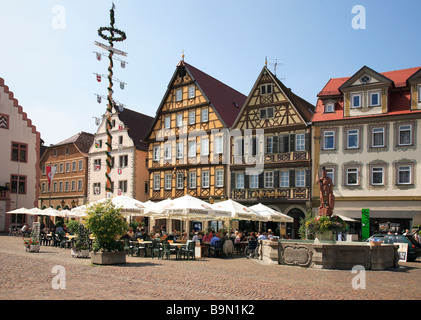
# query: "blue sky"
51,71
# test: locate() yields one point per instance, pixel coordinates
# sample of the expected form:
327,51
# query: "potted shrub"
81,246
107,226
33,244
324,227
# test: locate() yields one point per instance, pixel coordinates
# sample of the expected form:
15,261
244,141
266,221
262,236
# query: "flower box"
108,258
33,248
80,253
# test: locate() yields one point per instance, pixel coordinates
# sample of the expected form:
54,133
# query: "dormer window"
365,79
266,89
330,107
374,98
356,100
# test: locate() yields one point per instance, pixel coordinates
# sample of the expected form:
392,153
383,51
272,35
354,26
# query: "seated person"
213,240
130,233
224,236
25,229
262,236
207,238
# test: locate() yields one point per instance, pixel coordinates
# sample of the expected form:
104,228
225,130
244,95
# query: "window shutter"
261,180
307,142
308,178
276,179
275,144
246,180
292,142
233,185
253,146
292,178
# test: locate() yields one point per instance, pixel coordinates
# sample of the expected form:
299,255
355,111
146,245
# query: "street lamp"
73,203
62,203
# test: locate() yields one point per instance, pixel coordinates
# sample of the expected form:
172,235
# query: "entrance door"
292,228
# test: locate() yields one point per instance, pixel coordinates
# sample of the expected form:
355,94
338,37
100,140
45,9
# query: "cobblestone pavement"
30,276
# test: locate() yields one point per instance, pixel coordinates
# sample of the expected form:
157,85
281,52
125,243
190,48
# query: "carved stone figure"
327,198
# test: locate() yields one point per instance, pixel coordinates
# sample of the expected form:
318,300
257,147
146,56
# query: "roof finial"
266,61
182,55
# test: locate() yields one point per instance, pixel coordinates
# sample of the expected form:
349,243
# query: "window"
329,140
74,166
330,107
300,178
356,100
405,135
330,172
123,161
204,146
240,181
97,188
167,122
192,180
179,95
269,144
284,179
66,151
266,113
404,174
97,165
254,181
168,181
352,176
219,178
192,92
180,180
352,138
79,185
19,152
167,152
43,187
156,153
73,185
300,142
120,140
374,98
68,166
55,153
365,79
122,186
377,175
219,144
192,149
156,181
377,137
180,150
192,117
66,186
60,186
205,179
61,168
179,120
205,114
80,165
268,179
55,187
266,88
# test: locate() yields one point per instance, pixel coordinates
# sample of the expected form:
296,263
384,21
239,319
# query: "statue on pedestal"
327,198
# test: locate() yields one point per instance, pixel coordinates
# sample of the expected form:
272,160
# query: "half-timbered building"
271,157
189,136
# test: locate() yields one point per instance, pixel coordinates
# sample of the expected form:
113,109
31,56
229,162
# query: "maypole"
115,35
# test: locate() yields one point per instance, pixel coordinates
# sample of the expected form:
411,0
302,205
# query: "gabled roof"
226,101
304,108
361,72
399,102
138,126
398,77
81,140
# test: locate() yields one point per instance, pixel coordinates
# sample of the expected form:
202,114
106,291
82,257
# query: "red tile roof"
399,102
227,101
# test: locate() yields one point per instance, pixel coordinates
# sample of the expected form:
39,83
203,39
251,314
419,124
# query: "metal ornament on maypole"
115,35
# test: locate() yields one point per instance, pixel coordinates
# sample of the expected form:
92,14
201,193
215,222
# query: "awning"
389,213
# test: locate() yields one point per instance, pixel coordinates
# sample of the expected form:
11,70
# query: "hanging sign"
108,48
120,127
122,85
98,78
119,192
98,56
123,64
98,98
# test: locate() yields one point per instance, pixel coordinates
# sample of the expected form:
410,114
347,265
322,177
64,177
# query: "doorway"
292,228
